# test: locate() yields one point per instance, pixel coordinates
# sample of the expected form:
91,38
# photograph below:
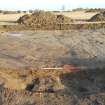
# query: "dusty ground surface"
38,49
33,49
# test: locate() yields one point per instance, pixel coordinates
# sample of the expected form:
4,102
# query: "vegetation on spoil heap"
42,18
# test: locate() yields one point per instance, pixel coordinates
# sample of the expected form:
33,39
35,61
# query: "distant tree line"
90,9
15,12
96,10
63,10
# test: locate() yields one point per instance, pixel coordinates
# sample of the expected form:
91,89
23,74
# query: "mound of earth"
98,17
43,18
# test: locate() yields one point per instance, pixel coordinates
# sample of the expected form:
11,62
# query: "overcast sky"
50,4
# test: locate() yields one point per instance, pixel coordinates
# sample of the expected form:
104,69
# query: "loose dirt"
31,50
42,18
37,49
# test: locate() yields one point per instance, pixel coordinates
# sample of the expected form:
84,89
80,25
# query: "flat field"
79,15
9,19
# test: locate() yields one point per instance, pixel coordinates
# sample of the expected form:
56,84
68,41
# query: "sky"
50,4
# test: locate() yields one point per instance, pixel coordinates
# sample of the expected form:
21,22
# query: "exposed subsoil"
30,50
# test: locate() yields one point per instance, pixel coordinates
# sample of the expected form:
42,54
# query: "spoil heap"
42,18
98,17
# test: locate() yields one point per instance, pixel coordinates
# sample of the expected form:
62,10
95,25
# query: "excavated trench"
22,55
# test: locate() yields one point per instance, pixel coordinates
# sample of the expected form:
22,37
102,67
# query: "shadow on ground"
84,83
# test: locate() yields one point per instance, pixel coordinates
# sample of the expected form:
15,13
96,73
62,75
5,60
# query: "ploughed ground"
24,54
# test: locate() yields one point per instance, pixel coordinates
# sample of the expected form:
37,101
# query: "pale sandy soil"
79,15
10,17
